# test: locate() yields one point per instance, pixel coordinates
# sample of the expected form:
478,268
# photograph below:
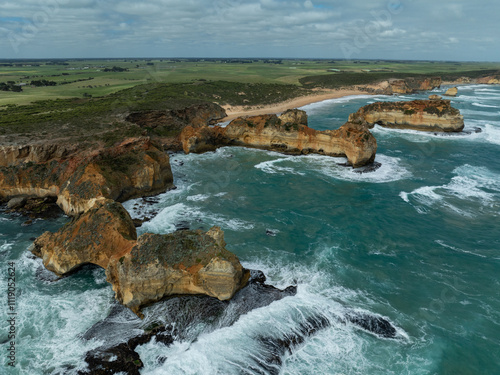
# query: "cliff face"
36,153
105,230
288,133
405,86
146,269
427,115
131,169
184,262
490,80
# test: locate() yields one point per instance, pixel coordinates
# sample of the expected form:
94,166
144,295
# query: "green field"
88,100
81,78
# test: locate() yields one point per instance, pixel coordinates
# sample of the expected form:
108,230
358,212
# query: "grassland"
90,97
95,81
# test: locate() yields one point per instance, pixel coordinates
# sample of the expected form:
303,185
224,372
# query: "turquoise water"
417,241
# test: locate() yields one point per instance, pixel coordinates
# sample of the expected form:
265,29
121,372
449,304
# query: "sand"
237,111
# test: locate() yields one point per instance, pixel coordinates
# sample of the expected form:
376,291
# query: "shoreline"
238,111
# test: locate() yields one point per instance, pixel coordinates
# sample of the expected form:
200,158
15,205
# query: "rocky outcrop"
103,231
405,86
183,262
288,133
453,91
427,115
435,97
177,119
489,80
121,332
130,169
145,269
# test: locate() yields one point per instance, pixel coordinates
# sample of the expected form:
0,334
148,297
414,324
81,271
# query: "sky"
460,30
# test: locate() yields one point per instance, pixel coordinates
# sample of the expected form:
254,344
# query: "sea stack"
451,92
426,115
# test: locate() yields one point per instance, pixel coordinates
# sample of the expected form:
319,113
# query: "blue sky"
380,29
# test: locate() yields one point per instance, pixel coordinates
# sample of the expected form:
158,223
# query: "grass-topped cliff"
93,119
72,111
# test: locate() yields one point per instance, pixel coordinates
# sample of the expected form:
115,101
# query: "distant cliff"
404,86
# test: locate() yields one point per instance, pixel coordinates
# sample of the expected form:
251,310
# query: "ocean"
416,242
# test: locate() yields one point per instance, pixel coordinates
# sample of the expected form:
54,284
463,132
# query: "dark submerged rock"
372,323
122,331
369,168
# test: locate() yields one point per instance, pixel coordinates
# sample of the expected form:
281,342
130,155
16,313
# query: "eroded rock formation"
427,115
145,269
130,169
453,91
103,231
183,262
404,86
287,133
489,80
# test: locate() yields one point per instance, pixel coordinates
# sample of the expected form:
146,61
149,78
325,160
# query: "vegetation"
53,97
339,80
112,75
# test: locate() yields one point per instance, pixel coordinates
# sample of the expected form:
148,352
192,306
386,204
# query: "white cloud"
228,27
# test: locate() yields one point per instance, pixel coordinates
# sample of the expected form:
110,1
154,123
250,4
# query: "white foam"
310,108
168,217
6,246
484,105
471,184
442,243
198,197
391,170
49,322
165,220
273,167
492,134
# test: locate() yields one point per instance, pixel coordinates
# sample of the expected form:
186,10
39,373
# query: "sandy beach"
237,111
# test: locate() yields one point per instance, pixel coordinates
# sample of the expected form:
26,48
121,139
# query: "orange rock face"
288,133
146,269
184,262
131,169
490,80
103,231
426,115
405,86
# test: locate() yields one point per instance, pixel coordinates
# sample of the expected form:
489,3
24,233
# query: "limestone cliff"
166,125
146,269
288,133
103,231
489,80
405,86
130,169
427,115
184,262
